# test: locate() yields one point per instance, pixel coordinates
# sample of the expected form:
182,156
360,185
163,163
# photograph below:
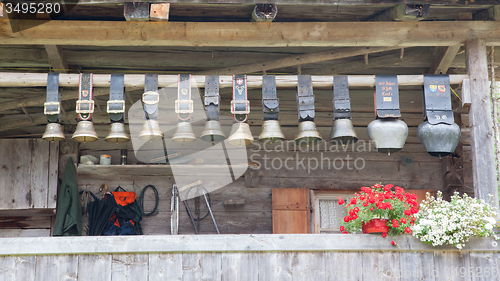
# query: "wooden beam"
443,60
56,59
401,12
382,61
228,34
492,13
307,2
159,12
136,11
295,60
480,123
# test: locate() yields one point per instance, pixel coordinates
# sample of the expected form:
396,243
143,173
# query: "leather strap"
52,107
240,106
386,96
341,100
151,98
305,98
437,100
184,103
270,101
116,102
212,97
85,103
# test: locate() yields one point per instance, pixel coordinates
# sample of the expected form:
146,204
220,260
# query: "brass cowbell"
53,132
184,133
213,132
308,134
271,131
117,133
150,131
240,135
343,132
85,132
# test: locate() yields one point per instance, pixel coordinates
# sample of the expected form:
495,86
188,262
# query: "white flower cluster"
441,222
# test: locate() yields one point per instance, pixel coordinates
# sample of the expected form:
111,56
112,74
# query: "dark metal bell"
53,132
271,131
184,133
388,135
213,132
117,133
308,134
440,139
85,132
343,132
240,135
150,131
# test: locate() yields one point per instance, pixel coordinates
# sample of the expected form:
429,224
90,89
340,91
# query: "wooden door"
291,210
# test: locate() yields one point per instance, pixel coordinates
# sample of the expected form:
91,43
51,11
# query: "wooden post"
480,123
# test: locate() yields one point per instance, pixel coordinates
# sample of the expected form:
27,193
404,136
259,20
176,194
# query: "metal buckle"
79,103
179,102
151,94
47,112
233,105
212,100
118,102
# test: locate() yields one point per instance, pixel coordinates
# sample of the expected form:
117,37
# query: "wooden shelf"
157,170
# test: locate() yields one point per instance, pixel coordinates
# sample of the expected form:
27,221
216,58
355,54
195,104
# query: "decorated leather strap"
212,97
270,101
437,101
151,98
85,102
240,106
305,98
52,107
184,103
116,102
341,100
387,96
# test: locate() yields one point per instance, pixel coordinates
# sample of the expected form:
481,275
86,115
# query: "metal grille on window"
331,213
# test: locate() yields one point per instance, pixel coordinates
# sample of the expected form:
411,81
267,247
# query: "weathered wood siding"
28,176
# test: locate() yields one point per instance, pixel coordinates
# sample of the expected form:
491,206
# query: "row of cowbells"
389,135
85,132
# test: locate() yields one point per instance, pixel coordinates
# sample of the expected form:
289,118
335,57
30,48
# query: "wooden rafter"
304,2
228,34
382,61
296,60
443,60
56,58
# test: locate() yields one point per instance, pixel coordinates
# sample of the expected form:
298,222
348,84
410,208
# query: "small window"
327,212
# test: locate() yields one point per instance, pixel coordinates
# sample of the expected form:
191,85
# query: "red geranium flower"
407,212
403,220
342,228
341,201
395,224
393,243
407,230
384,234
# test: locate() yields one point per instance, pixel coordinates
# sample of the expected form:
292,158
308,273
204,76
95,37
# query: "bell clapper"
389,153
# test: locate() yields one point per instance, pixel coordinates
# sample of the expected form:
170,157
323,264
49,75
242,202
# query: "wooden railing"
245,257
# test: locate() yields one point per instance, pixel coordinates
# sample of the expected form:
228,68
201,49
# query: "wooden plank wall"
411,168
236,266
28,186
